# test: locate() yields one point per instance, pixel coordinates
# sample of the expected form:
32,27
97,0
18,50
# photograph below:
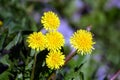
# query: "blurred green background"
22,17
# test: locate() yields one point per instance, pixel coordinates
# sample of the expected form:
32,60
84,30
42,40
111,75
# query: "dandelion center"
36,41
50,21
55,60
54,40
82,41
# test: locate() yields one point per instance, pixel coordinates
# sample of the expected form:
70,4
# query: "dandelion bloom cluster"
54,40
50,21
36,40
55,60
82,41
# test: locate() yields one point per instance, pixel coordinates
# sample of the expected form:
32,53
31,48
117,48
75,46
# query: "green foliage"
17,23
5,75
5,60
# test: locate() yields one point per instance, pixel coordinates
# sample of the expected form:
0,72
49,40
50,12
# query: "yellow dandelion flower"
50,21
36,40
55,40
55,60
1,23
82,41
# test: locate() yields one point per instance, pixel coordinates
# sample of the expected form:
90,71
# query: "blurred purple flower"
65,30
113,3
36,17
102,72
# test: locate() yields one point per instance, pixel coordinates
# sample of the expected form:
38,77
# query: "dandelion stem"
71,54
33,68
115,75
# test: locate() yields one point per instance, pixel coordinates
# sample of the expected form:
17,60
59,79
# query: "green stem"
33,69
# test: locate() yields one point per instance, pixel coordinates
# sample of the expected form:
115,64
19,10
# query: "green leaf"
32,52
5,75
29,65
81,75
14,41
2,40
78,67
19,76
5,60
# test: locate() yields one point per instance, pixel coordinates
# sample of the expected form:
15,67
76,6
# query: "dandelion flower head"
36,40
55,60
1,23
55,40
82,41
50,20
